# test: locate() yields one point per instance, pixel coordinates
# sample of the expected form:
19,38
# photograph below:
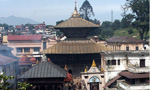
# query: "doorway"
94,86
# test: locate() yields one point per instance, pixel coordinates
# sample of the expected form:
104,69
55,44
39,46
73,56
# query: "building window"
127,48
108,62
44,45
118,62
26,49
37,49
137,48
113,62
19,50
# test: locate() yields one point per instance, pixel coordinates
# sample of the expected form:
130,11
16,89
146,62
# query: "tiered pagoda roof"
76,22
76,47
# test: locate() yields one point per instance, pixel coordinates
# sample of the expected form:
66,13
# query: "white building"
128,63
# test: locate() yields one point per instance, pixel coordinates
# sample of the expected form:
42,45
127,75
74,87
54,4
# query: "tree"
86,10
140,11
106,25
115,25
4,83
58,22
127,20
23,85
106,33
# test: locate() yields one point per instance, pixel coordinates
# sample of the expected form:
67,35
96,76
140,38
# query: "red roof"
131,75
24,37
33,60
24,60
4,60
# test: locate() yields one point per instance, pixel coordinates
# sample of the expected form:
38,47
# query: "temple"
77,52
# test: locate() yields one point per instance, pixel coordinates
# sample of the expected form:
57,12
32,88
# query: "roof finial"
93,63
85,70
65,67
75,13
44,57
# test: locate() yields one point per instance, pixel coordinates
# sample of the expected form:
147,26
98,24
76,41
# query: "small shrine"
93,79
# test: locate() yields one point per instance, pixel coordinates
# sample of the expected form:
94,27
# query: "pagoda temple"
77,52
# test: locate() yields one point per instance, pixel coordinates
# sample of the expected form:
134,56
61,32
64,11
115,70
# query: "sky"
52,11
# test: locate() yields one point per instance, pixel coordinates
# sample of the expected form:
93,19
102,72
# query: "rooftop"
45,69
76,47
24,37
4,60
124,39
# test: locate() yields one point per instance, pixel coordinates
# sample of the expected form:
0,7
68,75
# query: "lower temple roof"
45,69
76,47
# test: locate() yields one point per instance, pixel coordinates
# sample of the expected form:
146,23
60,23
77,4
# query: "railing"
139,69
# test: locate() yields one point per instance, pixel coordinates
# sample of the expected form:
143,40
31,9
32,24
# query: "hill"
13,20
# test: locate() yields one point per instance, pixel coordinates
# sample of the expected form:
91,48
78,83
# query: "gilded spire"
75,13
65,67
85,70
93,64
37,62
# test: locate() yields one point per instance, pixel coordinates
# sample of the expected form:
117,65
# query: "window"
137,48
113,62
127,48
36,49
108,62
118,62
26,49
19,50
44,45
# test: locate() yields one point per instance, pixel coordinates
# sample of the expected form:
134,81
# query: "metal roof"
76,23
45,69
5,60
76,47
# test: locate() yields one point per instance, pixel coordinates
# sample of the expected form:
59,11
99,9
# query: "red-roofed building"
29,44
24,64
33,60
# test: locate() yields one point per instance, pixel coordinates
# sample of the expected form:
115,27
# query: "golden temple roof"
76,47
76,23
93,64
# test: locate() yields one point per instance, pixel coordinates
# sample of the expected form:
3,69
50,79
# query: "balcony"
123,85
139,69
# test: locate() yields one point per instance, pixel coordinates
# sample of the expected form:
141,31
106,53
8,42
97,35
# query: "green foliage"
86,10
115,25
5,26
4,83
58,22
106,25
140,12
130,31
106,33
23,85
126,21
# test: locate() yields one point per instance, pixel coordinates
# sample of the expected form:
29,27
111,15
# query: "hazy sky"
51,11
